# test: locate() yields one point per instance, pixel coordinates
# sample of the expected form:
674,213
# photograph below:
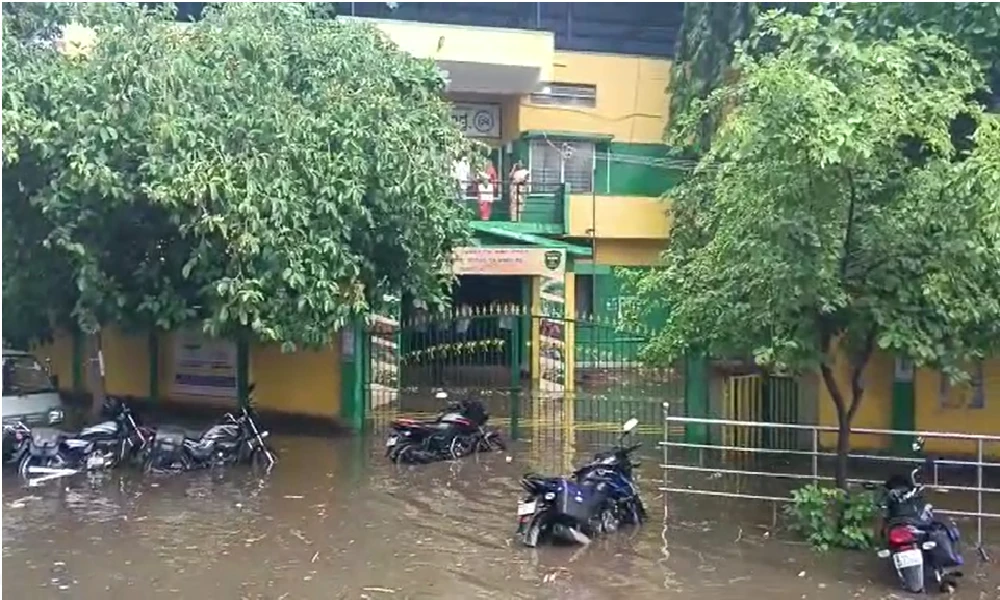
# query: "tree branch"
857,371
845,257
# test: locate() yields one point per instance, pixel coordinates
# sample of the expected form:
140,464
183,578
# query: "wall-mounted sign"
477,120
203,366
509,261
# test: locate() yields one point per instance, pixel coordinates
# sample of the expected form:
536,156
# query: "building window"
565,94
555,161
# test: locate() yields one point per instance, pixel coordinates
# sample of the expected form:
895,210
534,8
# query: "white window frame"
581,95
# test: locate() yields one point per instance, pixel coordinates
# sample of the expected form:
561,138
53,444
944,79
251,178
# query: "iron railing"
530,202
720,460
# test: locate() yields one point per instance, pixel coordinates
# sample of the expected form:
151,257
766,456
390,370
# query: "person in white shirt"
519,176
462,173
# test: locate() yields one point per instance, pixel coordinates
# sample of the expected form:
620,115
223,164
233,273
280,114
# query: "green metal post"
903,416
153,343
362,366
696,398
515,378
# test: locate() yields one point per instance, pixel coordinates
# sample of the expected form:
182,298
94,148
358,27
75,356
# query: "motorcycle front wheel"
262,460
28,461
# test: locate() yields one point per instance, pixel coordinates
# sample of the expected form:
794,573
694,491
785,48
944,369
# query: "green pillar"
78,384
243,372
153,343
696,397
516,350
904,417
353,401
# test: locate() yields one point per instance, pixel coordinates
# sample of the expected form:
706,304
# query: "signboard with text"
509,261
203,366
477,120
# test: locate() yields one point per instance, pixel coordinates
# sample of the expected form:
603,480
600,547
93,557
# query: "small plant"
832,518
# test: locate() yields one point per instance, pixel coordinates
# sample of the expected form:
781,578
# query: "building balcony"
530,208
479,60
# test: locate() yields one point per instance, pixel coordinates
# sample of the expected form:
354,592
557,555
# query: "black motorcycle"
102,446
597,498
457,431
234,440
918,543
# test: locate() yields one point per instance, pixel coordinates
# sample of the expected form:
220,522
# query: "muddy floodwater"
336,520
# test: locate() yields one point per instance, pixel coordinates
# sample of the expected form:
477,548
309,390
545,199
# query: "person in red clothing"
487,190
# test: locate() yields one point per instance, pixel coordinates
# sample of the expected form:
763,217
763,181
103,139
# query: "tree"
834,214
711,31
261,171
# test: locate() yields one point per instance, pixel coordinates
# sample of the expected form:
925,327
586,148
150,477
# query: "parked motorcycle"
101,446
234,440
918,543
16,437
598,498
459,430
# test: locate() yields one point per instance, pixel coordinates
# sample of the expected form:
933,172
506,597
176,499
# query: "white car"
29,391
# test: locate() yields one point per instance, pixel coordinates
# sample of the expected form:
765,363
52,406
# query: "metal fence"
759,472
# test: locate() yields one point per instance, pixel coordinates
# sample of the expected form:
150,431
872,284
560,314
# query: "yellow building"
901,398
576,94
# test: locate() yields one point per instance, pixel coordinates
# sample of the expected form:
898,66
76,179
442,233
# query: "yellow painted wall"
958,417
627,253
621,217
632,104
305,382
468,44
876,405
60,354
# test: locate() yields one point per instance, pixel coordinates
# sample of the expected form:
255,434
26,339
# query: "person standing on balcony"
487,190
519,176
462,173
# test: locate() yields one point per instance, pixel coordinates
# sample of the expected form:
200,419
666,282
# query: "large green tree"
711,32
263,172
834,214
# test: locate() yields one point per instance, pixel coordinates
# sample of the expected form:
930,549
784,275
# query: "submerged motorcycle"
102,446
598,498
234,440
918,543
459,430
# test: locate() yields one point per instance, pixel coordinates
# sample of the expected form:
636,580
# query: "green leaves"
259,169
837,204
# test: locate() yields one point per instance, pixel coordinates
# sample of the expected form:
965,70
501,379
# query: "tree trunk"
96,370
845,411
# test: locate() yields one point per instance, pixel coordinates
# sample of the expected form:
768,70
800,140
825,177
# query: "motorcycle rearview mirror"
630,425
918,444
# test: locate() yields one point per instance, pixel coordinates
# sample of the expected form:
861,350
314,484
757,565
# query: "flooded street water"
337,520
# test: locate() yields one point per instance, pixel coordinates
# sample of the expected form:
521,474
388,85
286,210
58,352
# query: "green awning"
485,227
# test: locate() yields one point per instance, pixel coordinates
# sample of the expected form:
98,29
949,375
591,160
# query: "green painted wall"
633,170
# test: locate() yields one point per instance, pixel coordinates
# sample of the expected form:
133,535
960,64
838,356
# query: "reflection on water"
336,520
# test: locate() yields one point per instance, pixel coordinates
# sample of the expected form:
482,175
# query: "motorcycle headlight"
550,496
55,416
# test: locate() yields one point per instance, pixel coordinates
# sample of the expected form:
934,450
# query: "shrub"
832,518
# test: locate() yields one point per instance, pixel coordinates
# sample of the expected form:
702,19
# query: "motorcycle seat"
103,429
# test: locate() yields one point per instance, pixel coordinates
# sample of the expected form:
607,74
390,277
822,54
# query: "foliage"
711,32
834,215
708,37
260,170
833,518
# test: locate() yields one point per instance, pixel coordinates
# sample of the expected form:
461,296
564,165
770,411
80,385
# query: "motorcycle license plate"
391,441
525,508
908,558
